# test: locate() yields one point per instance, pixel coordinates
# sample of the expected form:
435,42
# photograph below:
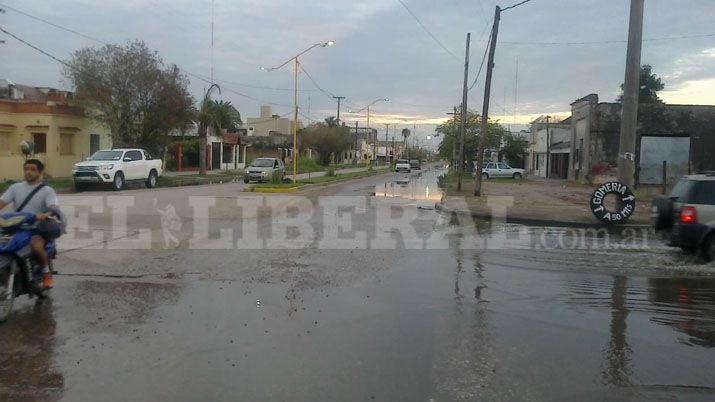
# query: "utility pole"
463,123
339,98
387,131
454,142
548,146
356,141
485,107
631,88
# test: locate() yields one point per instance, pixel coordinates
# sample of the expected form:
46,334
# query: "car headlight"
105,167
265,172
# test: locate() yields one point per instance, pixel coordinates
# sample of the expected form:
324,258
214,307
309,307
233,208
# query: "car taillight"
688,215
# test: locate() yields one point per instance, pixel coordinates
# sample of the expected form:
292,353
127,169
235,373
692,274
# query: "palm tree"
331,121
405,133
214,116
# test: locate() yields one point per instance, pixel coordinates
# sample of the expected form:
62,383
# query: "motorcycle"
20,274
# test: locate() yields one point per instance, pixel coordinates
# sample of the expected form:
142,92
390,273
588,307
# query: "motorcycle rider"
33,196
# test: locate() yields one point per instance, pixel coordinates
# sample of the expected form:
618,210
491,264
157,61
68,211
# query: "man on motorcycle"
35,197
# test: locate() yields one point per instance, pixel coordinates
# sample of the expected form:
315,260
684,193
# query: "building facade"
61,133
268,123
549,147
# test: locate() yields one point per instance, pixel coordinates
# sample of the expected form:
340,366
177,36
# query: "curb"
541,222
274,190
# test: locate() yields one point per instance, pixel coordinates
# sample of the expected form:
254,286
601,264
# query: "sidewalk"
539,202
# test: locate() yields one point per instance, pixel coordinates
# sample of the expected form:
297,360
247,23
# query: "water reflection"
688,306
420,186
616,370
27,341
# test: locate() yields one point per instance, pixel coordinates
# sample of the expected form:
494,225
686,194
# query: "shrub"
330,171
276,178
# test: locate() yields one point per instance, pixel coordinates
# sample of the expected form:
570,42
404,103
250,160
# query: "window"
227,153
40,140
502,166
491,166
705,193
66,144
147,156
134,155
93,143
4,142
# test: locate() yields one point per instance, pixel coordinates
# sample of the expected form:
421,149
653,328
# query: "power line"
330,95
204,79
427,30
36,48
53,24
486,49
515,5
605,42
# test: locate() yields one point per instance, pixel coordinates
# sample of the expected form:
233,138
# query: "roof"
232,138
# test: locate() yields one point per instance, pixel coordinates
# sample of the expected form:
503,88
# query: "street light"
295,98
374,143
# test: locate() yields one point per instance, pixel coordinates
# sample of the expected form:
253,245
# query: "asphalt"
509,312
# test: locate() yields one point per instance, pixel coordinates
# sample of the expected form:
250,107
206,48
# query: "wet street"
549,317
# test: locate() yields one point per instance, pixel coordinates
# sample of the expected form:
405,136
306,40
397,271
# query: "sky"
549,52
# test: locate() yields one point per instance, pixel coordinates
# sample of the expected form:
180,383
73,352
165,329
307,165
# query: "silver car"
501,169
262,170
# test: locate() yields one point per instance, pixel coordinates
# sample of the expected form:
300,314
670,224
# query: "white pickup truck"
117,167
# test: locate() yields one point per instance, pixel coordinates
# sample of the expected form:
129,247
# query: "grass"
196,179
322,180
306,165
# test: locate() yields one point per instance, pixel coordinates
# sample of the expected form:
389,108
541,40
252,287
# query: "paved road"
550,316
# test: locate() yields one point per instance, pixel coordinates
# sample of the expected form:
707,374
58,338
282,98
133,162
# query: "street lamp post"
295,98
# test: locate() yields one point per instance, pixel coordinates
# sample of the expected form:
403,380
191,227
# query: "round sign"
626,204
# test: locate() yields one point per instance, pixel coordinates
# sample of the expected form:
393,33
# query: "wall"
17,123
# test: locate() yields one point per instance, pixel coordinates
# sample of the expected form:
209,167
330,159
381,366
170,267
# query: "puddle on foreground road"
439,324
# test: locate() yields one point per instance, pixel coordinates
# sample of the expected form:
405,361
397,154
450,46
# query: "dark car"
415,164
687,215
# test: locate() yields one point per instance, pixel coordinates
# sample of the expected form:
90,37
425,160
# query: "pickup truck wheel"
517,176
151,180
118,182
709,248
246,180
78,187
485,176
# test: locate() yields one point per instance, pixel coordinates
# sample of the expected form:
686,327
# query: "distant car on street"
415,164
687,215
262,170
501,169
403,165
117,167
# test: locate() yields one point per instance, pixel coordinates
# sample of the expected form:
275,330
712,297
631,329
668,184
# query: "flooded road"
452,324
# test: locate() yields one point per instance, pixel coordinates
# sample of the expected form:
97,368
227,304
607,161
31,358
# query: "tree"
331,121
129,90
650,85
326,140
214,116
234,114
514,149
449,131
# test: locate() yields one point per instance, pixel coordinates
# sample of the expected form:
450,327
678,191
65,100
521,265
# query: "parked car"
403,165
687,215
415,164
262,170
117,167
501,169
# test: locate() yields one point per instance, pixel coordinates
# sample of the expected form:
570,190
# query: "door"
503,170
93,143
133,165
491,169
215,155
